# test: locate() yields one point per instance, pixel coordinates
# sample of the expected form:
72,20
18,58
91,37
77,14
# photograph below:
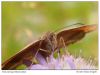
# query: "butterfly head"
50,40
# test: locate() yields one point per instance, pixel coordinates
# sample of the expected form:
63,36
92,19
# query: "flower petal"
40,59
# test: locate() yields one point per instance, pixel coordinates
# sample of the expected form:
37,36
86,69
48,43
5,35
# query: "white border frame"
51,72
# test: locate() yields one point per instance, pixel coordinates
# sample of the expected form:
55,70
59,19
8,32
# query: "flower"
65,61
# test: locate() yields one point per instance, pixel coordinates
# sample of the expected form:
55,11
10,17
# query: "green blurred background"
24,22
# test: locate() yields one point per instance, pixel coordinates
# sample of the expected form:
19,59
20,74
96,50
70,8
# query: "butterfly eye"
50,37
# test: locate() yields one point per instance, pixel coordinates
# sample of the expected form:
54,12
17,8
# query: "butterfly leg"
64,45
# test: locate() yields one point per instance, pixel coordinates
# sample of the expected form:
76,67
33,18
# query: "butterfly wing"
26,53
73,35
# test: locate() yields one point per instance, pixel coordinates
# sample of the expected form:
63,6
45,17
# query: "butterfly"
49,43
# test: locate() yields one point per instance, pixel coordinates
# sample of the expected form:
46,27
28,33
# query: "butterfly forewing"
74,34
27,52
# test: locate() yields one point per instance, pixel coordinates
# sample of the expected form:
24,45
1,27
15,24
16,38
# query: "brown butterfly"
48,43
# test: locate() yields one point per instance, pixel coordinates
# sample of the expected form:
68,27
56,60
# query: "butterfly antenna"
69,26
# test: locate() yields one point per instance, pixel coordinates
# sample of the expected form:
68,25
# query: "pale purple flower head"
65,61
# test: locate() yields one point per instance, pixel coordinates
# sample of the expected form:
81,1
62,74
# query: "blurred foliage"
24,22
